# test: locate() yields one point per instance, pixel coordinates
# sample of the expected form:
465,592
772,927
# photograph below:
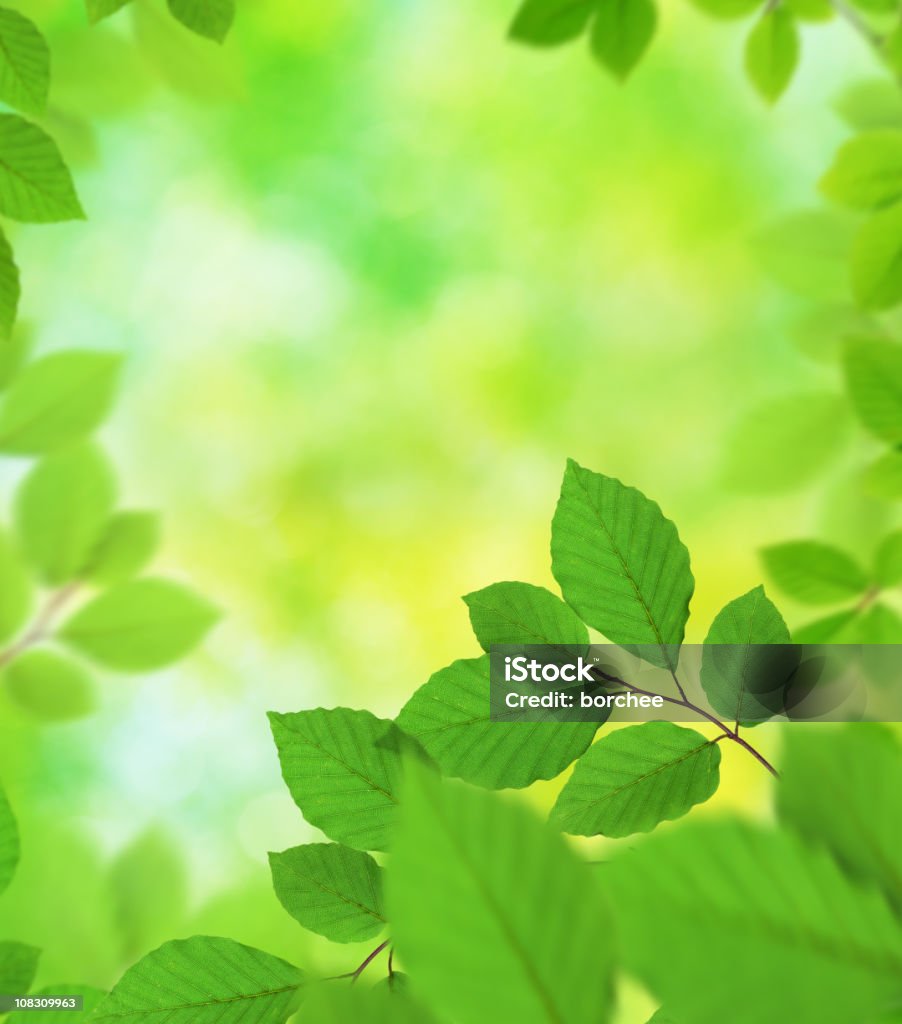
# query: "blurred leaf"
635,778
619,562
51,687
883,478
62,508
878,624
9,842
811,10
740,909
877,6
621,33
519,613
13,351
727,9
140,625
56,400
857,768
15,589
772,52
808,253
872,103
782,443
209,18
888,560
877,261
744,658
24,63
130,541
867,171
551,22
826,630
98,9
90,998
204,980
814,573
450,716
341,768
873,369
18,966
9,290
463,864
819,333
100,73
328,1003
330,889
35,184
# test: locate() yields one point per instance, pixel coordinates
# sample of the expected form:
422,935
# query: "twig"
41,626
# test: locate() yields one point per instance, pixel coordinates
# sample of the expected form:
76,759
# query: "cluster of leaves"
454,870
211,19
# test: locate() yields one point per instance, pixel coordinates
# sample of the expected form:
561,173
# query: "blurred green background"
378,273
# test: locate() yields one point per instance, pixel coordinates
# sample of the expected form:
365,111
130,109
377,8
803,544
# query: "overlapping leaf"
35,184
520,613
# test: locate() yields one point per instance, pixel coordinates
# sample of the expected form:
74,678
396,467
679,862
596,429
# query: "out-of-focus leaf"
825,631
814,573
328,1003
50,686
635,778
877,261
873,370
772,52
869,104
727,9
449,716
621,33
140,625
883,477
519,613
888,560
24,63
342,768
867,171
619,562
15,589
811,10
62,508
10,292
57,400
35,184
331,889
18,966
476,948
204,980
808,253
209,18
551,22
878,624
98,9
90,998
129,543
820,332
9,842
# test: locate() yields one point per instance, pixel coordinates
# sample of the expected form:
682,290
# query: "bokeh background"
378,273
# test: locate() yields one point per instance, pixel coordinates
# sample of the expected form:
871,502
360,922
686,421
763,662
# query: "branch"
40,628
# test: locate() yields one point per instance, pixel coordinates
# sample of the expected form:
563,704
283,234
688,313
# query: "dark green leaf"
877,261
867,171
814,573
51,687
18,966
9,842
519,613
873,370
551,22
130,541
35,184
15,589
24,63
772,52
209,18
621,32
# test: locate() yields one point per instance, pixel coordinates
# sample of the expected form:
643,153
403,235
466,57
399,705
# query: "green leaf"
331,889
873,369
90,998
328,1003
811,10
14,350
869,104
727,9
783,443
449,716
857,768
635,778
10,291
826,630
24,63
619,563
9,842
99,9
551,22
877,261
209,18
888,560
519,613
808,253
204,980
719,914
820,333
50,686
744,658
18,966
621,33
35,184
130,541
341,768
814,573
62,508
140,625
878,625
772,52
15,589
867,171
56,400
883,477
462,891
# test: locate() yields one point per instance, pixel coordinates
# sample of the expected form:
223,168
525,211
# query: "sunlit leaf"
727,9
814,573
877,260
873,369
35,184
883,477
551,22
129,543
9,290
9,842
808,253
50,686
15,589
209,18
98,9
867,171
24,63
772,52
869,104
819,333
520,613
621,33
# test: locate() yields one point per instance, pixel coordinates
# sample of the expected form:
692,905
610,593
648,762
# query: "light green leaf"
15,589
867,171
857,768
56,400
90,998
635,778
9,842
873,369
825,631
328,1003
140,625
619,562
808,253
14,350
99,9
877,261
745,659
52,687
331,889
878,624
130,541
18,966
209,18
35,184
820,332
62,508
10,291
888,560
477,946
449,716
341,768
24,63
727,9
519,613
751,911
621,33
772,52
883,477
783,443
814,573
204,980
811,10
870,104
551,22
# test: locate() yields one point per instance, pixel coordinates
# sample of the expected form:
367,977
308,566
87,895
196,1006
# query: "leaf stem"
853,18
41,626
